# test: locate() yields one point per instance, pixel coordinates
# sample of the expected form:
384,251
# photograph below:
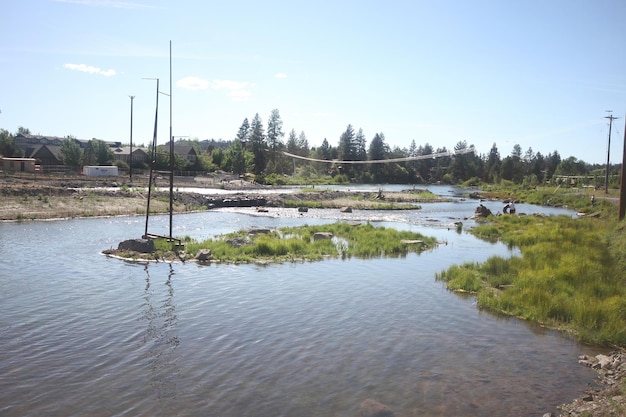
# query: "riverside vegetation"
291,244
570,274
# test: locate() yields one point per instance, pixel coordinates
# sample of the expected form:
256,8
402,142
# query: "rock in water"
373,408
137,245
203,255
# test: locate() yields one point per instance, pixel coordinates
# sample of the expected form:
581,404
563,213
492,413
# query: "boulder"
346,209
303,209
373,408
259,230
605,362
482,211
203,255
237,242
322,235
138,245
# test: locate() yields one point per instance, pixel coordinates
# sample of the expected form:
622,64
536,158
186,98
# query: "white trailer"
100,171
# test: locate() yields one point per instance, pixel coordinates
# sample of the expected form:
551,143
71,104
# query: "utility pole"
130,156
622,186
608,151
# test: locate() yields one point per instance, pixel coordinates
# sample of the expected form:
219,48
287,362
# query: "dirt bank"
66,198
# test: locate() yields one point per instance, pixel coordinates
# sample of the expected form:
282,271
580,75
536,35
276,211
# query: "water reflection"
161,339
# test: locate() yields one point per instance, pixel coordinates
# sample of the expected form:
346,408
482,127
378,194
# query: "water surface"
83,334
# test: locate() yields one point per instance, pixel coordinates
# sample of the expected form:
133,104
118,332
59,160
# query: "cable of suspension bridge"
386,161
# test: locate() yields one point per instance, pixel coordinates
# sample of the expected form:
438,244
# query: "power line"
386,161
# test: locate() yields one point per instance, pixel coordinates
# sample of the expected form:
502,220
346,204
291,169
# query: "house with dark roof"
187,152
122,153
44,154
47,149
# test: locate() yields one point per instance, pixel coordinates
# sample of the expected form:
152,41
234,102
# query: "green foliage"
71,154
97,152
570,275
122,165
235,158
472,182
7,145
298,243
275,179
341,179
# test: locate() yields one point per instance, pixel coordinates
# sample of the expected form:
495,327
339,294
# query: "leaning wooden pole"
622,186
153,161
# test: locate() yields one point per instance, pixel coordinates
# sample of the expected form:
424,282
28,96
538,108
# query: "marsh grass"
299,244
570,275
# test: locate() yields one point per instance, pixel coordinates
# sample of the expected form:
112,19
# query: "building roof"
180,149
21,138
43,152
125,150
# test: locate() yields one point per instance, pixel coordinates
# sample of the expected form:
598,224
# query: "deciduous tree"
71,154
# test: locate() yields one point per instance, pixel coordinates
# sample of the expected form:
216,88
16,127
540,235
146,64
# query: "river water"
87,335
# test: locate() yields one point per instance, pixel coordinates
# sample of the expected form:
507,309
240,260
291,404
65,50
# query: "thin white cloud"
280,75
240,95
237,90
116,4
193,83
90,69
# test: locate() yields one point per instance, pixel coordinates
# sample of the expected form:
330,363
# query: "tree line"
260,150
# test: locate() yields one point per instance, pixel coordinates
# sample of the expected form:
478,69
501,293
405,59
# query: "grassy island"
294,244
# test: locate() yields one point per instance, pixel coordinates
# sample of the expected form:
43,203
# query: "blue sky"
538,73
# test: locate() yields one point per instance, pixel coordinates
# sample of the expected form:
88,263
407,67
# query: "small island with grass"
287,244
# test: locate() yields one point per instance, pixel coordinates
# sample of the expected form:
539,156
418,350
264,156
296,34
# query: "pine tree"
303,145
324,150
244,131
274,133
377,151
258,144
359,146
292,142
347,152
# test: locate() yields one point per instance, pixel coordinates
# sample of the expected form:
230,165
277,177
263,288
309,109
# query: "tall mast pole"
171,150
608,151
130,156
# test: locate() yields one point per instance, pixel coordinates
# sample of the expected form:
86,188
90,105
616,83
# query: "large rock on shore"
137,245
